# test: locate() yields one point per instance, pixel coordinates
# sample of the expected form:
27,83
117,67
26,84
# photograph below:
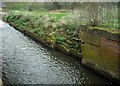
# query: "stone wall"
101,52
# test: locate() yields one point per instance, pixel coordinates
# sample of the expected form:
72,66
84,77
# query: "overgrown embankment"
63,31
56,29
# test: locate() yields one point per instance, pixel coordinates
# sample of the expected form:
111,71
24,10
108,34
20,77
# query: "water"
25,61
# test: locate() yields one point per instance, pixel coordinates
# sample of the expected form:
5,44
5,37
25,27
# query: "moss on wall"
104,56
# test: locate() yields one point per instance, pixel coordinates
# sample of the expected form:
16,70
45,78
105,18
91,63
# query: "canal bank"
92,65
92,44
49,44
28,62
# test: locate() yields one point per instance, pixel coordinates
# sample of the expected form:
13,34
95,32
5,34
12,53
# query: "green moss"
90,52
102,58
111,30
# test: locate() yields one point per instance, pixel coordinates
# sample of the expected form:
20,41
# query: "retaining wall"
101,52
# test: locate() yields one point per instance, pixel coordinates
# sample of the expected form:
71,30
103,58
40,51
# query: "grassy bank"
64,31
54,27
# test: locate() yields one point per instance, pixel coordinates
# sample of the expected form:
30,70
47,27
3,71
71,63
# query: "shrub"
59,38
42,10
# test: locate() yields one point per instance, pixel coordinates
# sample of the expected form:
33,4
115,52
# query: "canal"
25,61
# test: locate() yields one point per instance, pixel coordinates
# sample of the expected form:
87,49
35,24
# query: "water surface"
25,61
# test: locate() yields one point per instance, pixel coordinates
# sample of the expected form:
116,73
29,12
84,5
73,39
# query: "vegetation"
52,27
94,14
58,23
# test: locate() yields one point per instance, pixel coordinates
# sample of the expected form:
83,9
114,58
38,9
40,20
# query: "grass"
37,13
60,27
111,30
58,15
47,25
53,19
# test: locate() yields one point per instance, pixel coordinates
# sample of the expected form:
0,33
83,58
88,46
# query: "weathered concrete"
101,53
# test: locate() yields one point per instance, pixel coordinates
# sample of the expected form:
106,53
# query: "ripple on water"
27,62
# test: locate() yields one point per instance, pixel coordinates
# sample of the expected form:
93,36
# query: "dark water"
24,61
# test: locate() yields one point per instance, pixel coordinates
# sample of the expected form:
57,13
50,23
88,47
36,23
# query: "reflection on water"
27,62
